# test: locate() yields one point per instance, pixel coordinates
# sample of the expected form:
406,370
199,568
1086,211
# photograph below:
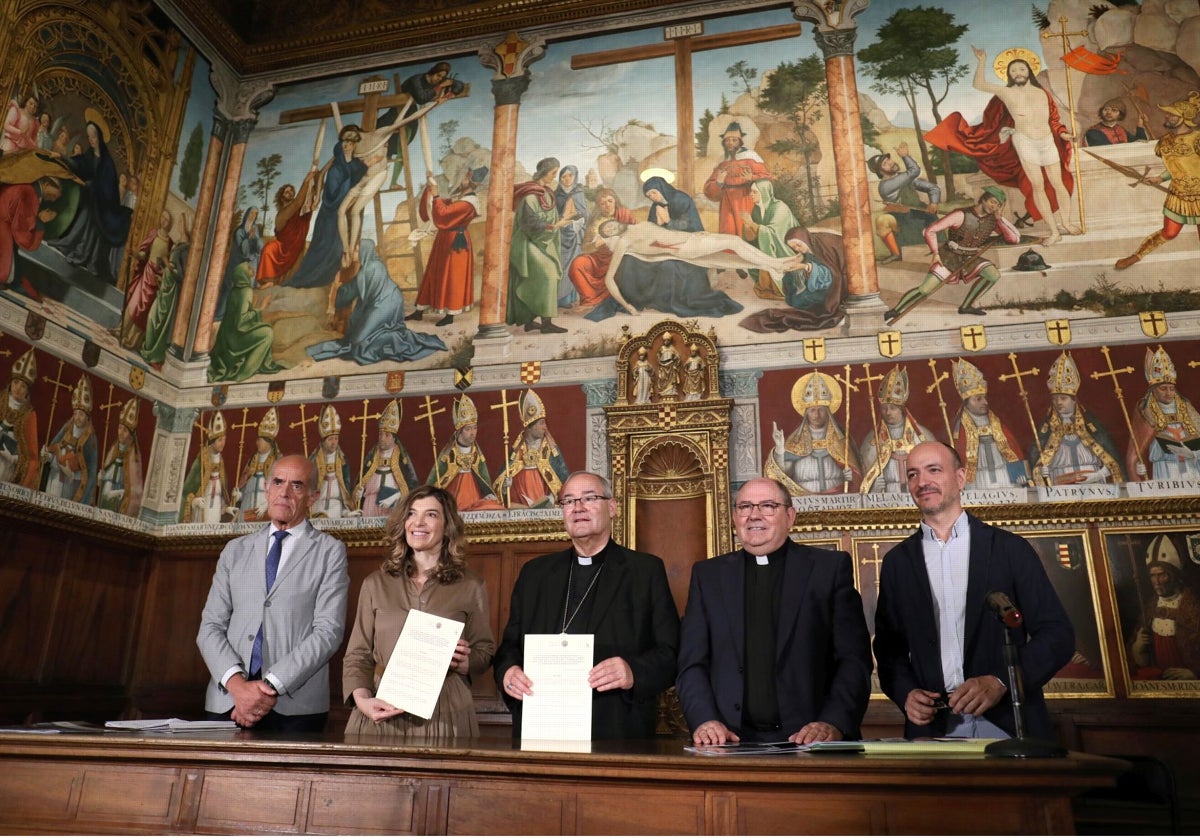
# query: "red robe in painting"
587,270
146,278
279,256
998,160
449,282
734,195
18,224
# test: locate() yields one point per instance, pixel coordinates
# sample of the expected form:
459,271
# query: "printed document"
419,665
560,708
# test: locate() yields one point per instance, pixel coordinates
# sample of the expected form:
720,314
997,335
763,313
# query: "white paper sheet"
420,662
560,708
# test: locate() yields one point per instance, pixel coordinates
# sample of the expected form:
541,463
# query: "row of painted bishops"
69,465
1072,446
532,476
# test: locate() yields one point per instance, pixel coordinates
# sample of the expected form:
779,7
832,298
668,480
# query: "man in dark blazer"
596,586
281,681
773,644
935,637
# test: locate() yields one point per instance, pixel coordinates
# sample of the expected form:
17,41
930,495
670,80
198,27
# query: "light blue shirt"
947,564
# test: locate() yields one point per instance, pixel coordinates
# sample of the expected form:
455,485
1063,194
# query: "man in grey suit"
276,613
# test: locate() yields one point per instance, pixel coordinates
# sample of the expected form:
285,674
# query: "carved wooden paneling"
251,785
30,569
101,595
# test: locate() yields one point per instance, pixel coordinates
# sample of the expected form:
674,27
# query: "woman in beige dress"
423,569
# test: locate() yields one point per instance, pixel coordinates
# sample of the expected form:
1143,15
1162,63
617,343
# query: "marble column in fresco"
236,115
835,34
510,59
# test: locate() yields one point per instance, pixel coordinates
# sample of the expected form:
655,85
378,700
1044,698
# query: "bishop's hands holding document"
618,597
423,578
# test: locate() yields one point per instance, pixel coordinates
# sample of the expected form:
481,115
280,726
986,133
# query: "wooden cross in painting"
681,42
373,97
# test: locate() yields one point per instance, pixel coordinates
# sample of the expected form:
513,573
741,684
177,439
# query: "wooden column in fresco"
835,33
510,58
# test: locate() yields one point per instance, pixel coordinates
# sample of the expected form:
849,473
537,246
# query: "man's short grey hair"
604,482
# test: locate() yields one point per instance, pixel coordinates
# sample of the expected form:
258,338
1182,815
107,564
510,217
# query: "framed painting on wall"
1155,573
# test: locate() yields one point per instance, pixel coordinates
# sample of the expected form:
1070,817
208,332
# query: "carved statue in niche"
666,375
643,378
695,382
651,368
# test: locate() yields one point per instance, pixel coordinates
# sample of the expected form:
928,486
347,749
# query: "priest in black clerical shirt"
596,586
773,644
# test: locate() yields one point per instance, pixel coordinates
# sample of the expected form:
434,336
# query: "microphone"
1005,610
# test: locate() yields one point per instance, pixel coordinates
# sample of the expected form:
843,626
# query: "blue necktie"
273,557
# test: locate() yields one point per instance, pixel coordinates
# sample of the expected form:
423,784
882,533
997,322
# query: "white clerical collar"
761,560
584,561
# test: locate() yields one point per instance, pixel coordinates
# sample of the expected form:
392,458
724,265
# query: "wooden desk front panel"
159,785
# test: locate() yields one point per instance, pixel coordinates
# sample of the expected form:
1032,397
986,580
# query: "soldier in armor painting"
960,259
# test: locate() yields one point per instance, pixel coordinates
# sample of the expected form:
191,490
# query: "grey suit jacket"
303,617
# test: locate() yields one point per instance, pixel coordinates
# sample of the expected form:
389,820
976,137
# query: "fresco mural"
494,450
1040,426
70,435
95,198
960,208
650,179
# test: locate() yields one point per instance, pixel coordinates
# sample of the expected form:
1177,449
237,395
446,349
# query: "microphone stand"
1021,746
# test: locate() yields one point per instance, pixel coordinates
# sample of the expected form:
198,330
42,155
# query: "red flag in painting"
1086,61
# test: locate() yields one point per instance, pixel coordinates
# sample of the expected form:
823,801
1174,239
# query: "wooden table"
238,783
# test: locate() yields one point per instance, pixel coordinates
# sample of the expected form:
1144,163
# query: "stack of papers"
51,728
169,725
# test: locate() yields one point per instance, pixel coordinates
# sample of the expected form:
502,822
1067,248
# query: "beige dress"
383,606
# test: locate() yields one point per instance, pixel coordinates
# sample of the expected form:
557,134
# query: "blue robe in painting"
376,330
100,223
323,259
